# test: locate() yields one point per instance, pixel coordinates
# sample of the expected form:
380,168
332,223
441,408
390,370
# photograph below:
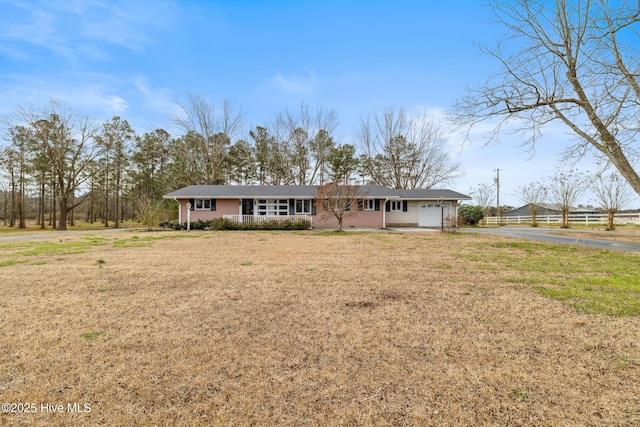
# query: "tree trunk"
64,212
4,208
21,223
51,210
565,217
105,208
90,208
12,219
116,209
620,161
41,207
54,207
610,215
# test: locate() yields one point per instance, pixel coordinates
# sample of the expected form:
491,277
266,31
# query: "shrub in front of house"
471,215
227,224
172,225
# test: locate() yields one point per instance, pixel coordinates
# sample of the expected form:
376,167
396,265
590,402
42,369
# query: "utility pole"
497,181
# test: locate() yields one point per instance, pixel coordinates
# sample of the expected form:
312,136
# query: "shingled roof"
303,191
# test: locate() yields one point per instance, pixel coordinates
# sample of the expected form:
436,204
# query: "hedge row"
227,224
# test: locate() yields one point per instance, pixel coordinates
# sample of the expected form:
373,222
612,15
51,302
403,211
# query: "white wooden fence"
582,218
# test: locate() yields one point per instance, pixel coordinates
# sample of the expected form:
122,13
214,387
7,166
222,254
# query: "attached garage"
431,214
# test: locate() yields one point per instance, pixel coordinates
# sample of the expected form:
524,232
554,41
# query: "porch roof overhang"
429,194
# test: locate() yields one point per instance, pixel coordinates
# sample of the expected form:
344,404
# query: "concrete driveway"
544,235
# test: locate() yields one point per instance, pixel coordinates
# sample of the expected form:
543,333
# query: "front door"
247,207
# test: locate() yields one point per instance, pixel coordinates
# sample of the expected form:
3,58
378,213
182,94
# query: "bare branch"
568,61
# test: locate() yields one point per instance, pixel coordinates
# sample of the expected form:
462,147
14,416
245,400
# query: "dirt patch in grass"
277,328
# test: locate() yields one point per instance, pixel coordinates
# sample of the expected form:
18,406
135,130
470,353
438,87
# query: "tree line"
611,192
59,166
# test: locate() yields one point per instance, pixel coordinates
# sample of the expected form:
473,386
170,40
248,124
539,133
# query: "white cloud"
294,84
68,28
93,99
155,97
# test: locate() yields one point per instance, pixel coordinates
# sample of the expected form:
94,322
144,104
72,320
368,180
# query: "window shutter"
313,207
193,204
377,204
213,204
387,206
360,202
292,207
405,206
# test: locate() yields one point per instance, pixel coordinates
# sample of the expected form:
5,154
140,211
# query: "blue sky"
137,59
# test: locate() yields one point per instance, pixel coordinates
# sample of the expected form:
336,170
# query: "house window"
396,205
369,204
272,207
303,206
203,204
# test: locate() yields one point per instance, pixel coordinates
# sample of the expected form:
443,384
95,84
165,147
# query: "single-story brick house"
380,206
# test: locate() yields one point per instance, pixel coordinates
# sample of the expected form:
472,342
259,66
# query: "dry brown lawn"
286,328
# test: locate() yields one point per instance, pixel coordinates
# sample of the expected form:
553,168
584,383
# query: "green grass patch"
93,335
14,253
590,280
521,395
8,262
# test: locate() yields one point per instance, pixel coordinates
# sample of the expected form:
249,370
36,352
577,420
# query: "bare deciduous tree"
533,195
565,190
338,201
404,151
569,61
67,140
305,137
9,164
484,195
149,213
209,132
613,193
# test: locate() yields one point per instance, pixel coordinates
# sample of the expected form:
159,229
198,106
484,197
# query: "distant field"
317,328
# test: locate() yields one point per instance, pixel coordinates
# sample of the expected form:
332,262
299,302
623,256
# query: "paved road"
54,234
544,235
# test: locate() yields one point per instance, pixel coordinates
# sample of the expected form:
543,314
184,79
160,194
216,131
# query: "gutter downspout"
384,213
179,211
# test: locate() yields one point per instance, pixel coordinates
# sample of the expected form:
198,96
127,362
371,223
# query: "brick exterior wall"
361,219
223,207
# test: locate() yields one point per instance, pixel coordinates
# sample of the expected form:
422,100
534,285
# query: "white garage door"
430,214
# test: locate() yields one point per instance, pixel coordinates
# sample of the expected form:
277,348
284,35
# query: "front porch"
259,219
